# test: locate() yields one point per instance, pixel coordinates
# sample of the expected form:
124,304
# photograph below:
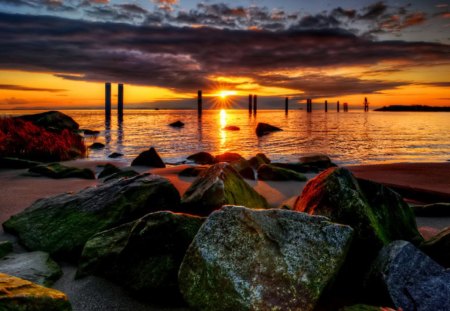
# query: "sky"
58,54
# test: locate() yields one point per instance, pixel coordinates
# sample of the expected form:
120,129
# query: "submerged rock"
18,294
243,259
97,145
317,160
57,171
438,247
52,120
149,158
220,185
228,157
408,279
271,172
202,158
143,256
61,224
36,267
264,129
6,247
231,128
177,124
115,155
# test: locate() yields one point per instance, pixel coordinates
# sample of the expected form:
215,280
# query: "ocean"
348,138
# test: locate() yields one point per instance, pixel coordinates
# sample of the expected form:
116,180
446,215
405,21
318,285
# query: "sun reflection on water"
223,124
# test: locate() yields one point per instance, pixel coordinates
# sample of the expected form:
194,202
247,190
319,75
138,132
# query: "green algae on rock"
244,259
271,172
21,295
219,185
57,171
143,256
62,224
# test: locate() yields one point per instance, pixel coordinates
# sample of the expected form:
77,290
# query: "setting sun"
226,93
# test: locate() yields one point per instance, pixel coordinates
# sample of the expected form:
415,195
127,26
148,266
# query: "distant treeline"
413,108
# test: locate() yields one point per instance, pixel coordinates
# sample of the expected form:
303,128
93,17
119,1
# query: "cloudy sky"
59,53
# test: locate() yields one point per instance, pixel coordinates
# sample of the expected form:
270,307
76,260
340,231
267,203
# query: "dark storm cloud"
374,11
26,88
183,58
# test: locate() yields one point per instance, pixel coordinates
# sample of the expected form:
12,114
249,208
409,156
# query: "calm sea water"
348,138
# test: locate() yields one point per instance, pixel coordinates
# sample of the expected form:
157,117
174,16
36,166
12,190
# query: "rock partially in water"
438,247
177,124
259,160
52,120
36,267
271,172
18,294
143,256
89,132
318,160
231,128
202,158
265,128
97,146
108,170
6,247
58,171
62,224
243,259
228,157
149,158
408,279
115,155
220,185
297,167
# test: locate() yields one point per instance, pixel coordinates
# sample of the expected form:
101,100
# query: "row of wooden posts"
108,100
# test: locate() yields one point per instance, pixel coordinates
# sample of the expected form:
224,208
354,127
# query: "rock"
149,158
231,128
15,163
243,259
270,172
108,170
143,256
433,210
122,174
97,145
408,279
6,247
36,267
297,167
378,214
219,185
244,169
177,124
202,158
438,247
193,171
428,232
317,160
259,160
264,129
365,308
18,294
115,155
52,120
57,171
90,132
228,157
62,224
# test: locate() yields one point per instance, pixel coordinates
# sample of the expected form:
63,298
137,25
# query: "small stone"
97,145
231,128
202,158
228,157
177,124
271,172
115,155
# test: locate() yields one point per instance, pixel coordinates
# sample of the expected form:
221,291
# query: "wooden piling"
120,101
366,105
250,98
108,99
286,105
326,106
309,105
337,106
199,102
255,103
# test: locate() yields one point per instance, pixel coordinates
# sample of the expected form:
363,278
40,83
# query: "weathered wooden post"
199,102
108,99
366,105
345,107
250,98
286,105
255,103
326,106
120,101
337,106
309,105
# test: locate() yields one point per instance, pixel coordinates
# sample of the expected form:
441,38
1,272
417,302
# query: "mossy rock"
297,167
202,158
15,163
244,169
193,171
62,224
108,170
244,259
52,120
143,256
124,173
20,295
6,247
58,171
259,160
217,186
321,161
271,172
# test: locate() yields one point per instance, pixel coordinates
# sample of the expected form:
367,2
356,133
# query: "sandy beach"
19,190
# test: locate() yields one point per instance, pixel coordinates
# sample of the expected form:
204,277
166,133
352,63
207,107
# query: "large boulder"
62,224
17,295
271,172
58,171
406,278
317,160
144,256
243,259
52,120
149,158
36,267
438,247
202,158
265,128
220,185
